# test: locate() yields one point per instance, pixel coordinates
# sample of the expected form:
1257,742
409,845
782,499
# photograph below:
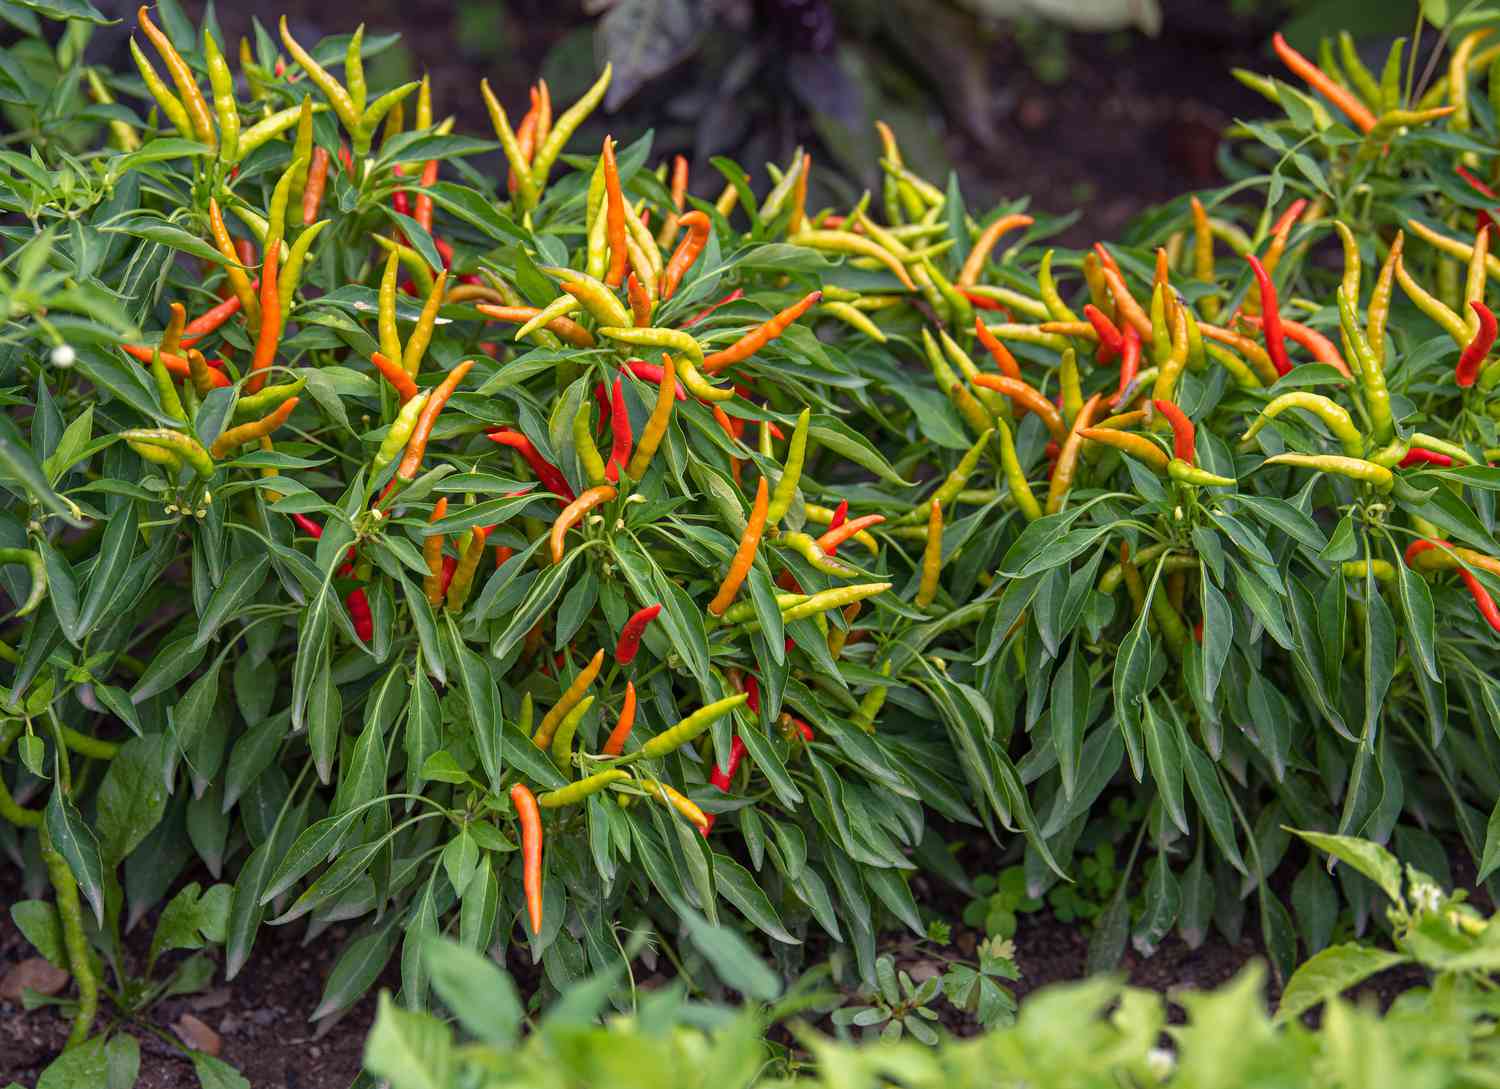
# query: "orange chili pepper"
422,206
1111,340
1128,309
998,351
570,515
744,556
209,321
416,446
621,733
836,535
317,181
974,264
736,466
1028,397
1321,347
614,207
432,553
760,336
269,336
530,817
1067,458
1183,432
1319,81
396,375
640,302
566,328
1130,364
698,227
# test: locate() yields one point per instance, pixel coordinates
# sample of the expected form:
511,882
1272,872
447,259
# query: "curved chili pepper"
1482,599
661,414
1321,347
565,328
630,635
1419,455
1111,340
1183,432
698,228
396,375
1128,442
463,573
760,336
640,301
615,745
1478,348
974,263
734,296
791,474
614,210
317,180
691,727
570,515
1028,397
1366,472
932,557
422,205
1270,317
530,817
230,441
571,698
744,556
998,351
182,76
269,336
620,435
551,478
416,446
1319,81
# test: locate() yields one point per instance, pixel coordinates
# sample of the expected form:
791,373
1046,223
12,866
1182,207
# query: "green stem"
10,809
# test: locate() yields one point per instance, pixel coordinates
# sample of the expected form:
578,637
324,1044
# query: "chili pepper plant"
489,536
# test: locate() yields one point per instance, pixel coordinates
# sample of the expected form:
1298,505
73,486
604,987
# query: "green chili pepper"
796,456
226,109
742,611
421,334
337,96
564,127
354,69
34,564
269,128
873,700
411,260
557,308
1333,415
1184,473
1371,374
993,400
399,432
290,277
837,598
1057,309
562,741
589,459
166,388
574,793
807,547
595,296
1366,472
171,105
255,405
184,446
1390,76
691,727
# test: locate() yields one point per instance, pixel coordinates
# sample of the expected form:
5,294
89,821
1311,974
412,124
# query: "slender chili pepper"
985,243
1433,307
698,228
640,303
1015,477
1334,416
630,635
1130,365
744,556
432,555
620,436
1315,78
183,446
37,569
615,745
595,296
317,180
1419,455
574,511
691,727
530,818
569,331
1271,321
210,321
416,446
1474,353
1128,311
1482,599
547,728
796,456
723,777
204,378
998,351
171,105
1111,340
269,337
230,441
166,389
1184,473
339,98
192,98
1320,346
422,205
562,741
545,471
1259,358
932,557
1027,397
574,793
1128,442
468,564
562,129
614,209
1183,432
807,547
583,444
1366,472
239,282
760,336
1067,458
396,375
837,535
855,245
399,433
421,334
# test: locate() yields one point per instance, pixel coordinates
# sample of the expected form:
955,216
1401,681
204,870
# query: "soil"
1127,128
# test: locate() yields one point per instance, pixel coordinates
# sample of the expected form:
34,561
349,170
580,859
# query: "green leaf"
74,840
1330,973
410,1050
131,798
1370,859
476,991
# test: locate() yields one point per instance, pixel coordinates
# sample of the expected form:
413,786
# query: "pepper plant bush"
444,534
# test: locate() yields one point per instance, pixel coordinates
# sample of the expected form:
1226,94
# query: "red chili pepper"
1270,311
422,212
1321,347
735,295
1421,456
839,514
445,252
652,372
1482,598
752,693
722,777
1467,175
630,635
619,429
1183,432
399,200
345,159
1111,340
503,553
1130,363
359,612
545,471
601,395
1474,354
980,302
1198,631
450,565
